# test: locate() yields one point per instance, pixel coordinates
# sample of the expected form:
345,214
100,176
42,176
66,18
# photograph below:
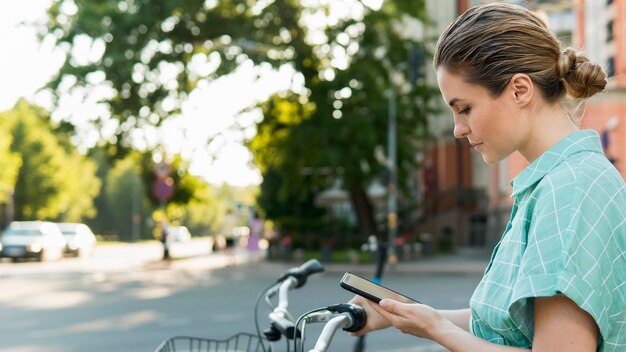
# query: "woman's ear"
522,88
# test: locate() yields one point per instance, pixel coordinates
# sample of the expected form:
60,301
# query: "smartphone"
374,292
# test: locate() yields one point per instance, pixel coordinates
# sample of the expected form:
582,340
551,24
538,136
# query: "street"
134,301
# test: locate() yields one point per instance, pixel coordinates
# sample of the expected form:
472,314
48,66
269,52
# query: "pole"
392,216
135,210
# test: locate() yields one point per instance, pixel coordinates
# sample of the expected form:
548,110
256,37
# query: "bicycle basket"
241,342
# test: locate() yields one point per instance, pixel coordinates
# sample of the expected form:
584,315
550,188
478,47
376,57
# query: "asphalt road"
125,299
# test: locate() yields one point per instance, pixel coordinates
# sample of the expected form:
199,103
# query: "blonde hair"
488,44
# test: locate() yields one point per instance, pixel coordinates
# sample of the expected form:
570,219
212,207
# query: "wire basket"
241,342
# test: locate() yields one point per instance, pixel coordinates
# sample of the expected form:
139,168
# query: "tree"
10,163
341,123
53,182
152,53
288,204
201,214
148,55
124,196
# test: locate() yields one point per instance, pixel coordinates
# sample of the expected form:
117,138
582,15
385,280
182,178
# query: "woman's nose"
461,130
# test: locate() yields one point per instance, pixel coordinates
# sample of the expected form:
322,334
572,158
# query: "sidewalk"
454,264
466,261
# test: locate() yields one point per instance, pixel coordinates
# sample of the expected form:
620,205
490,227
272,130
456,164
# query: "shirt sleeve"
574,242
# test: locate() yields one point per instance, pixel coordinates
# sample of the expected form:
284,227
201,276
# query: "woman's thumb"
387,304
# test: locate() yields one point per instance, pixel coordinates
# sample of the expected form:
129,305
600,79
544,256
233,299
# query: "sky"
209,114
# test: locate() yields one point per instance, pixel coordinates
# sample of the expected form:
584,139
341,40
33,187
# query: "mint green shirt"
566,236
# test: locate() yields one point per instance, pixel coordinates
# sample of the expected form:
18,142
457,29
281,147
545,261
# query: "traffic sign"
162,169
163,188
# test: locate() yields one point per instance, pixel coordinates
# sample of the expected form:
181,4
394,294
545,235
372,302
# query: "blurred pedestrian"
229,223
256,226
165,239
286,242
556,281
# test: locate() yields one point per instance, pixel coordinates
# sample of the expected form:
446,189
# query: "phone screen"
370,290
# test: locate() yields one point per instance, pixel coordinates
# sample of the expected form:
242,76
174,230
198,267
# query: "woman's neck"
549,124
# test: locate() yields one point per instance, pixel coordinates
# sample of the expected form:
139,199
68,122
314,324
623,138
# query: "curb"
416,268
453,265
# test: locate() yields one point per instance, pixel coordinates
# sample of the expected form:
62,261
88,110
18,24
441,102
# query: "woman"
557,279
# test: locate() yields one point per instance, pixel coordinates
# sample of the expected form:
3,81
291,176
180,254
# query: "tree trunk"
363,209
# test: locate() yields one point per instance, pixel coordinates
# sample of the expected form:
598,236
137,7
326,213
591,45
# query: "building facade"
469,201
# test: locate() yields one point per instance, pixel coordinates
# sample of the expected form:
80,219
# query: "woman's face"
489,123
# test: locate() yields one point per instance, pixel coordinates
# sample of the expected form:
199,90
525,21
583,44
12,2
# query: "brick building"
470,201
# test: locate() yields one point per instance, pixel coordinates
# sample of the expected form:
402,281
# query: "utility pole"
414,63
392,215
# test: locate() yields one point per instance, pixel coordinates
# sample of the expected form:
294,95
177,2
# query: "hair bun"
581,78
566,63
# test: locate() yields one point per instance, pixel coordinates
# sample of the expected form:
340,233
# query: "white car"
179,234
41,240
81,242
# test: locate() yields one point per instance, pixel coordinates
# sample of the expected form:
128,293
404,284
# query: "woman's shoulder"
584,183
585,171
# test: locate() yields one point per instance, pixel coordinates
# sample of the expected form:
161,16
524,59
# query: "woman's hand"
416,319
374,320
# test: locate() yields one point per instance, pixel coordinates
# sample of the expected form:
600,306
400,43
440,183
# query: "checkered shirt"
566,236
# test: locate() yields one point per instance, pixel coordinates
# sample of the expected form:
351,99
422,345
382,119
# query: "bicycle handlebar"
346,316
302,272
357,315
340,321
280,319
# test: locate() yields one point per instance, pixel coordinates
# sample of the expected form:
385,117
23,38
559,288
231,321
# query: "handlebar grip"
311,267
303,271
285,326
357,313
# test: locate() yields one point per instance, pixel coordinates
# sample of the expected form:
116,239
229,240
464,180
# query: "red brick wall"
579,32
596,117
619,35
447,156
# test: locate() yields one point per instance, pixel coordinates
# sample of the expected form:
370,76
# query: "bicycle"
344,316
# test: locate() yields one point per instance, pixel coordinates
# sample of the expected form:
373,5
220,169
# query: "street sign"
163,188
162,169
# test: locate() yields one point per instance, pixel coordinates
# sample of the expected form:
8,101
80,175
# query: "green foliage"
185,185
124,194
10,163
340,124
127,197
288,205
53,182
143,39
337,121
201,213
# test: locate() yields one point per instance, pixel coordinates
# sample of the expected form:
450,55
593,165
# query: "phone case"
371,296
360,292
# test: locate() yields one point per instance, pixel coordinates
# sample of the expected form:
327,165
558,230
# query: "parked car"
81,242
179,233
41,240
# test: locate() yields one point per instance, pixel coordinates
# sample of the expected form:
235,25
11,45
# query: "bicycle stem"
283,293
280,318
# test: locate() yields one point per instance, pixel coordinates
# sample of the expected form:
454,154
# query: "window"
610,67
609,31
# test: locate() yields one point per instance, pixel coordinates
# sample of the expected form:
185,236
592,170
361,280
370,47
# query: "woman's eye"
465,111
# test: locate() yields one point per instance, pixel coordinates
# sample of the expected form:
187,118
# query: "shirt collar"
585,140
